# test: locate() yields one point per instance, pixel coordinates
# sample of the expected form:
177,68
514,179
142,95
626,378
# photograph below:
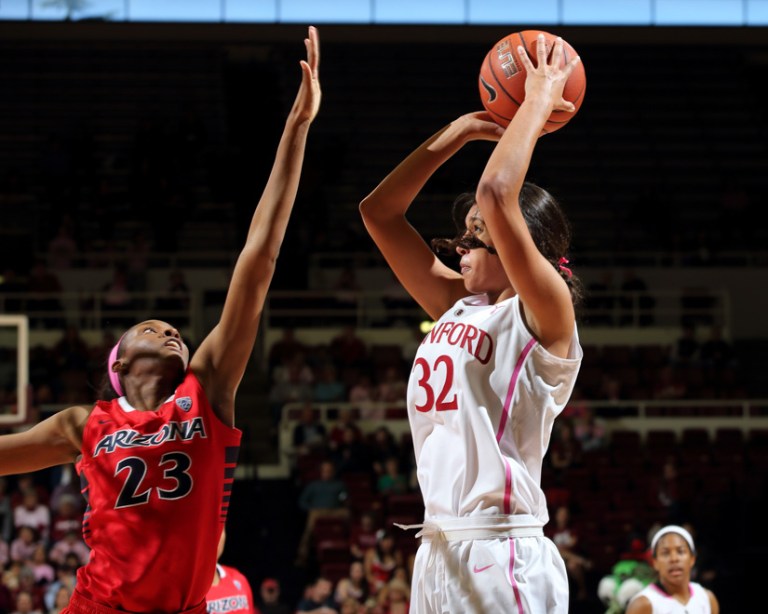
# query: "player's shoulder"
640,604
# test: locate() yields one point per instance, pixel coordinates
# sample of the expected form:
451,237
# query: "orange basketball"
502,78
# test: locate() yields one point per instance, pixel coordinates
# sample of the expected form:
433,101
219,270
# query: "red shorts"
82,605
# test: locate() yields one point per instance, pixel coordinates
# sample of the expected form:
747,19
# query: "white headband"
672,528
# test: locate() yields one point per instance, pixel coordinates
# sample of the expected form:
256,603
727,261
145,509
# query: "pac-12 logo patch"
185,403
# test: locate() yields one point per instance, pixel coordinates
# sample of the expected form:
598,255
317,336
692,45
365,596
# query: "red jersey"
232,594
157,485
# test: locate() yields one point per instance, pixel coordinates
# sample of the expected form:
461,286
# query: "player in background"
157,462
674,556
498,366
230,590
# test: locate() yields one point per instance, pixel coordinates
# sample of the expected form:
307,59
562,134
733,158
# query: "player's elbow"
494,192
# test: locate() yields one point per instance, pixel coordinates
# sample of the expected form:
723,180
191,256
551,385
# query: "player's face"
673,560
480,267
157,338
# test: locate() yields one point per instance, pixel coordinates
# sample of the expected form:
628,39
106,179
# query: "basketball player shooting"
498,366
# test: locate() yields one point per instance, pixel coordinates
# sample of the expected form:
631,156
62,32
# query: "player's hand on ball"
480,126
548,78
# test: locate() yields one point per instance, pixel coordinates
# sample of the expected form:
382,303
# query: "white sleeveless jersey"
482,398
662,603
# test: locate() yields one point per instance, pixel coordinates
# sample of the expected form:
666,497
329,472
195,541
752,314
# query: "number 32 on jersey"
436,380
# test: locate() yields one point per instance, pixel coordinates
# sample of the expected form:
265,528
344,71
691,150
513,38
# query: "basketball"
502,78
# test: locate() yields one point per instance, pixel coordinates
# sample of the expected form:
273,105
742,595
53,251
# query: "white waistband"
477,527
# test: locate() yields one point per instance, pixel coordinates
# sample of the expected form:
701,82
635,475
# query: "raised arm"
221,359
433,285
544,294
54,441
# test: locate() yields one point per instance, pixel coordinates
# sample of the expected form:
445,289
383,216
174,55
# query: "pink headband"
114,378
565,269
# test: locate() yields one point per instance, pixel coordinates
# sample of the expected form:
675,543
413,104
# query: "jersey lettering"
473,340
129,438
229,604
443,403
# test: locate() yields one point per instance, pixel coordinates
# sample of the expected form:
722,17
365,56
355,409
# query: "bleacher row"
612,493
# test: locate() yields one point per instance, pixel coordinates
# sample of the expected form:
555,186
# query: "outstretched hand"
307,101
548,79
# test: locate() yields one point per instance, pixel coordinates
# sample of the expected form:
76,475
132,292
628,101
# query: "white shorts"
489,575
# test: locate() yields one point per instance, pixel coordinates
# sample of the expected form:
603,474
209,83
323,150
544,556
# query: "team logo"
488,88
458,312
184,403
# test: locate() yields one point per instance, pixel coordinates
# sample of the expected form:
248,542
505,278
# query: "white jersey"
482,398
663,603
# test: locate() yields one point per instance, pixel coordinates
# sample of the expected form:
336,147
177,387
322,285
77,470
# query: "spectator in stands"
25,482
392,481
310,436
269,598
328,387
346,419
325,496
60,600
291,382
348,350
285,349
5,553
353,585
381,561
566,538
666,493
394,598
716,352
318,598
350,605
382,447
66,577
363,535
70,543
43,570
565,450
352,455
392,386
590,430
361,392
26,583
25,543
33,513
25,603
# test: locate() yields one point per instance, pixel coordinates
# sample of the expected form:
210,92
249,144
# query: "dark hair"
546,221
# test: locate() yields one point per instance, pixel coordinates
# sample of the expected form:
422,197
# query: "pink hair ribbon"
561,265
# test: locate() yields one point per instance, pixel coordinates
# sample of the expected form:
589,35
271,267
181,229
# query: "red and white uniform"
157,485
482,399
663,603
232,594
